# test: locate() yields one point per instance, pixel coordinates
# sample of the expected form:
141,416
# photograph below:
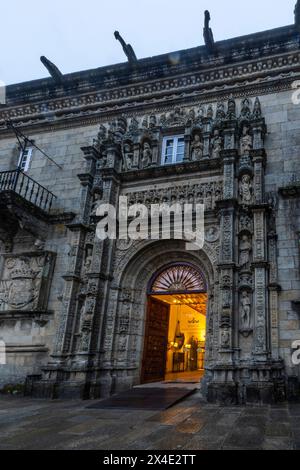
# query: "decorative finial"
127,48
52,69
207,33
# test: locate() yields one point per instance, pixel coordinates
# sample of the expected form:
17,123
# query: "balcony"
19,183
25,204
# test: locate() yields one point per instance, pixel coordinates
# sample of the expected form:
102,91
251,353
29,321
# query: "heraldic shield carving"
25,281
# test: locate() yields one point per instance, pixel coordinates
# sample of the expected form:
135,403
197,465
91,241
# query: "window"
173,150
24,160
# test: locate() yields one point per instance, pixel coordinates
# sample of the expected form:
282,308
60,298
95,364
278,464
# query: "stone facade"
73,308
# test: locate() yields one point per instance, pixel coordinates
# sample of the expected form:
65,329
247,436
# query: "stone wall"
109,143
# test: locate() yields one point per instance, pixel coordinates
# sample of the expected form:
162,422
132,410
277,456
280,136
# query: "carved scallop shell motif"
179,278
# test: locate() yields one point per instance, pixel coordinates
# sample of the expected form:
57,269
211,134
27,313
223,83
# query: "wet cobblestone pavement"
190,425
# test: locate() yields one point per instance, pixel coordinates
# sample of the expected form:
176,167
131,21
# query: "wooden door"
156,341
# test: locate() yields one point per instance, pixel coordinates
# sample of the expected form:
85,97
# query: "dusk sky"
78,35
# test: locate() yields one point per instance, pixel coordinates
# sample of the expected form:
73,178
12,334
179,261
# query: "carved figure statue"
146,155
216,144
231,112
245,309
197,148
246,141
210,112
225,338
96,203
245,250
128,157
246,190
152,121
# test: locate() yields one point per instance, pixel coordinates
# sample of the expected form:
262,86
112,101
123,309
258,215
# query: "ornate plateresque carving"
202,193
25,282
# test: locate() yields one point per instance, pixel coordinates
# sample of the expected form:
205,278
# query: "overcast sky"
78,35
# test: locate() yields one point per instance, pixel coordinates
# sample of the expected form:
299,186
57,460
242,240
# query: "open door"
156,341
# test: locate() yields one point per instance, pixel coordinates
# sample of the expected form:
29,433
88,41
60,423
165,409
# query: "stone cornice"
254,77
166,170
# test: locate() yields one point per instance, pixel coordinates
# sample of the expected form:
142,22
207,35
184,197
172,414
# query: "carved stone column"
260,262
101,273
72,277
223,384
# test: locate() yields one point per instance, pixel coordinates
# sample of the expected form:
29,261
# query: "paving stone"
191,425
278,429
65,425
277,443
199,443
246,437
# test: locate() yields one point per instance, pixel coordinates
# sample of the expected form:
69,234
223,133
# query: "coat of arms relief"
25,282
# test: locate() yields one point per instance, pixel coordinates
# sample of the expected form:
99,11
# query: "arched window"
178,278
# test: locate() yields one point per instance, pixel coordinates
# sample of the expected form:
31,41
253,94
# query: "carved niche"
207,131
25,282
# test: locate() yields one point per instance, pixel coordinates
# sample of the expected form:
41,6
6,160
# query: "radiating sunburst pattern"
179,278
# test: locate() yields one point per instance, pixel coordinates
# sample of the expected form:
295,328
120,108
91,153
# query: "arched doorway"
175,332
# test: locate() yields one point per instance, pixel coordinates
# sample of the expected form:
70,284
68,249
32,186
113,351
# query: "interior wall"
192,324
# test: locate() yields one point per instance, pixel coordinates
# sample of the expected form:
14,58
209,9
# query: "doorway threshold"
168,384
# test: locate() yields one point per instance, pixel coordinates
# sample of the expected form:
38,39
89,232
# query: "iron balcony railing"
26,187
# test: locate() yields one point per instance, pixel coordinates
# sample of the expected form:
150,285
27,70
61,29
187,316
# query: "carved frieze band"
77,104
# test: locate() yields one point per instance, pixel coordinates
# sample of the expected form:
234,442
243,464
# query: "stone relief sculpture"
212,234
246,190
216,144
22,279
146,158
205,193
152,121
226,298
197,148
97,199
245,142
205,128
220,114
128,157
245,310
231,111
246,223
210,112
225,338
20,290
245,251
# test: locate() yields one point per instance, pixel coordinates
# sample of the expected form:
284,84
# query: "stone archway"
127,305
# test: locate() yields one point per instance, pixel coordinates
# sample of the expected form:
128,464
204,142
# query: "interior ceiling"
197,302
